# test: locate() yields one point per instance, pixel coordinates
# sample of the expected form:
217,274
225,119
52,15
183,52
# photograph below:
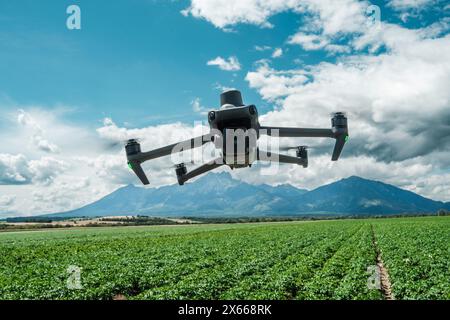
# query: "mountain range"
218,194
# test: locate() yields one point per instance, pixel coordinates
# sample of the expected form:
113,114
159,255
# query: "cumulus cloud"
384,96
197,107
36,132
17,169
335,16
7,200
325,20
46,169
409,4
278,52
224,13
308,41
230,64
273,84
263,48
113,166
14,169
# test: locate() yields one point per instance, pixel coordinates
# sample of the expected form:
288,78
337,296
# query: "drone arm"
282,158
339,132
176,147
211,165
298,132
137,169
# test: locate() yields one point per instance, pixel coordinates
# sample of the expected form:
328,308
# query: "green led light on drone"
346,138
130,166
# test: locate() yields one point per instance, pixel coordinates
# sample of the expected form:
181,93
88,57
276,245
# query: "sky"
151,69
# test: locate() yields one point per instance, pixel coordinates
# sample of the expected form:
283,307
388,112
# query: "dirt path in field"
384,275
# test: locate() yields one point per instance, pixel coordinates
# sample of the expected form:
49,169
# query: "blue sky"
139,56
138,65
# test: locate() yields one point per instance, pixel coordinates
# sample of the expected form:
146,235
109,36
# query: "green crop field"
287,260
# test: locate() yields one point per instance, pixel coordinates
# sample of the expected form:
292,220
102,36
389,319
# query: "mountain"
218,194
357,195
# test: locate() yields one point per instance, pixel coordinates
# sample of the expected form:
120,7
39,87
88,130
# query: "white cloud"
7,200
36,132
230,64
17,169
46,169
330,15
224,13
336,48
383,95
409,4
14,169
274,84
222,88
412,8
197,107
308,41
263,48
278,52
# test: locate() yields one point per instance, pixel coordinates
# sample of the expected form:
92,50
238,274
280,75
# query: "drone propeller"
287,148
115,145
338,113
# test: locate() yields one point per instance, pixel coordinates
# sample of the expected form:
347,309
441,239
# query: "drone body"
235,130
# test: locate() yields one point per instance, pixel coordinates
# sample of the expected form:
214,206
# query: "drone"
235,130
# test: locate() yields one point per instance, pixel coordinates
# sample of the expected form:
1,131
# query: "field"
284,260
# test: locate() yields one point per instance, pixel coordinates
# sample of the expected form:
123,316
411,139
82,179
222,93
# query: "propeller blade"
287,148
114,145
338,146
136,167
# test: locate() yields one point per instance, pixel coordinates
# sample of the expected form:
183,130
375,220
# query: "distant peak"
129,186
220,175
355,178
224,174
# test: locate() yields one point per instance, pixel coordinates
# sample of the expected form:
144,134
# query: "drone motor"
132,147
302,153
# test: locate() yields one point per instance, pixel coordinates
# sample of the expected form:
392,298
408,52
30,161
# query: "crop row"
416,253
313,260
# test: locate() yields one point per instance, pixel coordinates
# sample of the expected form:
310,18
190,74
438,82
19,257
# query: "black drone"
235,130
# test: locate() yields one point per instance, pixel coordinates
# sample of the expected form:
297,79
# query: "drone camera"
132,147
233,97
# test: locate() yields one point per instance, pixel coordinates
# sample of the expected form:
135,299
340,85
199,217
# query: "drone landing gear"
183,175
282,158
302,153
180,170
